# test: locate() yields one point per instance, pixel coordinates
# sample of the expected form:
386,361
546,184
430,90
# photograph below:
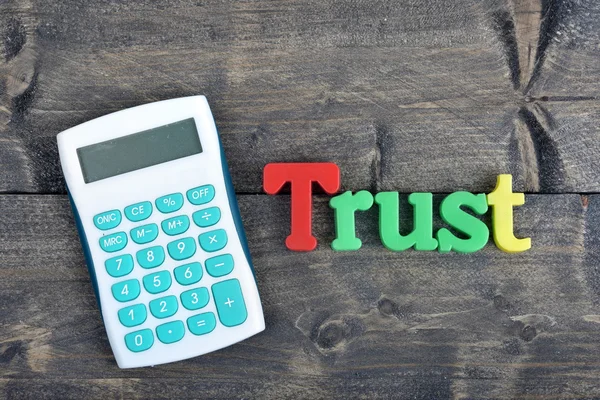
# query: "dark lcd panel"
139,150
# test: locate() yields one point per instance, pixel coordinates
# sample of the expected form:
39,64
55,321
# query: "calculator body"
181,187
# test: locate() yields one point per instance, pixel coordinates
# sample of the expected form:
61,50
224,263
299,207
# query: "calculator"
161,232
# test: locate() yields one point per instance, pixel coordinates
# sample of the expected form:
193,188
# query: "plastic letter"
422,235
502,200
464,222
344,207
301,176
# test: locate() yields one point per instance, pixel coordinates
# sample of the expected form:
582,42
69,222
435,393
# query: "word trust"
452,210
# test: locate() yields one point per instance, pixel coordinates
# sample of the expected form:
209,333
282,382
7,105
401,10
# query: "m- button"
107,220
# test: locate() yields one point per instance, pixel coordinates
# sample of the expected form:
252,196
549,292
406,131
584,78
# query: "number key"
182,248
164,307
151,257
133,315
119,266
126,290
139,340
195,298
188,274
157,282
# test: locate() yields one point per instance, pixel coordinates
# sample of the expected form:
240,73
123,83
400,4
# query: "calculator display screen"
139,150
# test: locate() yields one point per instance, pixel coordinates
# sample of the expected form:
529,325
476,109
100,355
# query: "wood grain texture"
370,323
409,95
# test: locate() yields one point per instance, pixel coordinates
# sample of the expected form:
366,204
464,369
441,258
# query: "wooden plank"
372,86
369,323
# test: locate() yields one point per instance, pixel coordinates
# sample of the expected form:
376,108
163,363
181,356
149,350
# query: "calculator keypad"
227,294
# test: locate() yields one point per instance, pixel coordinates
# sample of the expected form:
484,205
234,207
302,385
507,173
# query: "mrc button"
107,220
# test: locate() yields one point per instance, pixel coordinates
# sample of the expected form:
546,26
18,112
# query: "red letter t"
301,176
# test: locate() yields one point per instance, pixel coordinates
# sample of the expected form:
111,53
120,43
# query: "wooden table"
408,95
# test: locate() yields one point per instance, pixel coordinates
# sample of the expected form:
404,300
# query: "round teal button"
139,340
202,324
133,315
188,274
170,332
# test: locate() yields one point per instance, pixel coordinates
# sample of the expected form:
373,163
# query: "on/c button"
107,220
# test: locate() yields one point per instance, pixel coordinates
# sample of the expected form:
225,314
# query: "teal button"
219,265
182,248
201,194
144,234
195,298
126,290
107,220
176,225
139,340
230,302
113,242
139,211
213,240
164,307
188,274
207,217
170,332
157,282
169,203
202,324
119,266
133,315
151,257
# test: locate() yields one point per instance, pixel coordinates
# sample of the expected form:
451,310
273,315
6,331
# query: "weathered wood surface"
369,323
410,95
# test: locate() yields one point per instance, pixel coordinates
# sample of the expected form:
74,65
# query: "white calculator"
161,231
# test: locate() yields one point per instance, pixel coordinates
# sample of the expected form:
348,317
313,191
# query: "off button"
107,220
201,194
